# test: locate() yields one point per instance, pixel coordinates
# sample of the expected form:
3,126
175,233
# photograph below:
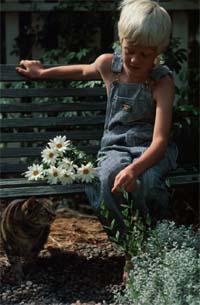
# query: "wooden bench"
31,116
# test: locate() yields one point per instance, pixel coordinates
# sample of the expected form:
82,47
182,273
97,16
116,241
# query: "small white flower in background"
49,155
53,174
59,143
67,176
86,173
34,172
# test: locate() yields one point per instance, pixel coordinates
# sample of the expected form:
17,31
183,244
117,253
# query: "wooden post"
181,30
12,31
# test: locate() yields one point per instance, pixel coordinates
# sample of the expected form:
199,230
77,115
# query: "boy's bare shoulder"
104,62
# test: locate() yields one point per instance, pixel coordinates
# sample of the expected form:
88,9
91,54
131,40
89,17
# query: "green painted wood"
29,137
23,188
52,92
51,121
14,182
19,152
52,107
47,190
183,179
9,73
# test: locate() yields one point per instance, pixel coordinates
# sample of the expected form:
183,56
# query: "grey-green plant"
167,272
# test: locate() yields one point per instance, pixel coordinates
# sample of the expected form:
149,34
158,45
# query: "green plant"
137,227
175,56
167,272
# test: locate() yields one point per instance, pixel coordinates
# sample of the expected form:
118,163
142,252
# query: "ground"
78,265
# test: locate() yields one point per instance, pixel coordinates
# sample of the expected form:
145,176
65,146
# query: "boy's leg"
151,195
109,167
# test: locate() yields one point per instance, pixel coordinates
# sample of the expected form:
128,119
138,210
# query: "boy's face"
137,59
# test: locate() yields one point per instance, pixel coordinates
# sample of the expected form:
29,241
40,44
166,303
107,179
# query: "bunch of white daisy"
62,163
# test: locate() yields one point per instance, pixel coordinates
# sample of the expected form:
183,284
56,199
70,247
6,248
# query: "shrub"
167,273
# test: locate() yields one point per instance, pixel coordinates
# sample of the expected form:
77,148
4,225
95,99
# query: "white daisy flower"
34,172
68,164
53,174
60,144
67,176
86,173
49,155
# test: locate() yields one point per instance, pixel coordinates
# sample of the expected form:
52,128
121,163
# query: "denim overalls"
129,124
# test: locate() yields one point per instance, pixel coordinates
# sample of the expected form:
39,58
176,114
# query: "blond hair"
146,23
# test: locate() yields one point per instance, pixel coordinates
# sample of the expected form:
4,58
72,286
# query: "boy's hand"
126,179
30,68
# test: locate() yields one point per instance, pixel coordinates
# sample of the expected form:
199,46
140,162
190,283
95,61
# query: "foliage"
137,227
185,115
165,260
167,272
175,56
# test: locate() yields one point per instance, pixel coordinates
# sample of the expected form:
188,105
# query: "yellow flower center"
55,174
51,154
35,172
86,171
58,145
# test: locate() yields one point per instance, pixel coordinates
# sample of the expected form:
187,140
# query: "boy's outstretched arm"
163,95
35,70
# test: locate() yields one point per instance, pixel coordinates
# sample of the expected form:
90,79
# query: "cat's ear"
29,204
53,204
56,204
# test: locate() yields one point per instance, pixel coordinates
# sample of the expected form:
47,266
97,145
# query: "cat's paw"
9,276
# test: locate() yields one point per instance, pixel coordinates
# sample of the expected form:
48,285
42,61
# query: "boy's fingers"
117,186
22,71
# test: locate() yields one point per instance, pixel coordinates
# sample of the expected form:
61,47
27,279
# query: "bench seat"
32,115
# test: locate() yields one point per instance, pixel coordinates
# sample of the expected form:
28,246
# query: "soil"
78,265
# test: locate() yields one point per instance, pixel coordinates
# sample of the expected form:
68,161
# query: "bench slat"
94,134
52,107
13,182
24,188
52,92
52,121
18,192
35,151
183,179
20,152
8,73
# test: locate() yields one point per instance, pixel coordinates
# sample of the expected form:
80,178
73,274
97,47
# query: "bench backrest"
31,116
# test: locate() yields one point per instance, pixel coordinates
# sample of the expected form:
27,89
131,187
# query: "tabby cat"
25,226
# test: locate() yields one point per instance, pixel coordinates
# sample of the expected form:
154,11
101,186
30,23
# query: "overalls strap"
117,65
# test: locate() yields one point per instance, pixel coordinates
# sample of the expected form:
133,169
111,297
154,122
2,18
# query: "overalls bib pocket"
123,110
139,136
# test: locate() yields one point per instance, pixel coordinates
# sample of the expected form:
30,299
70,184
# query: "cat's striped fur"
25,227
